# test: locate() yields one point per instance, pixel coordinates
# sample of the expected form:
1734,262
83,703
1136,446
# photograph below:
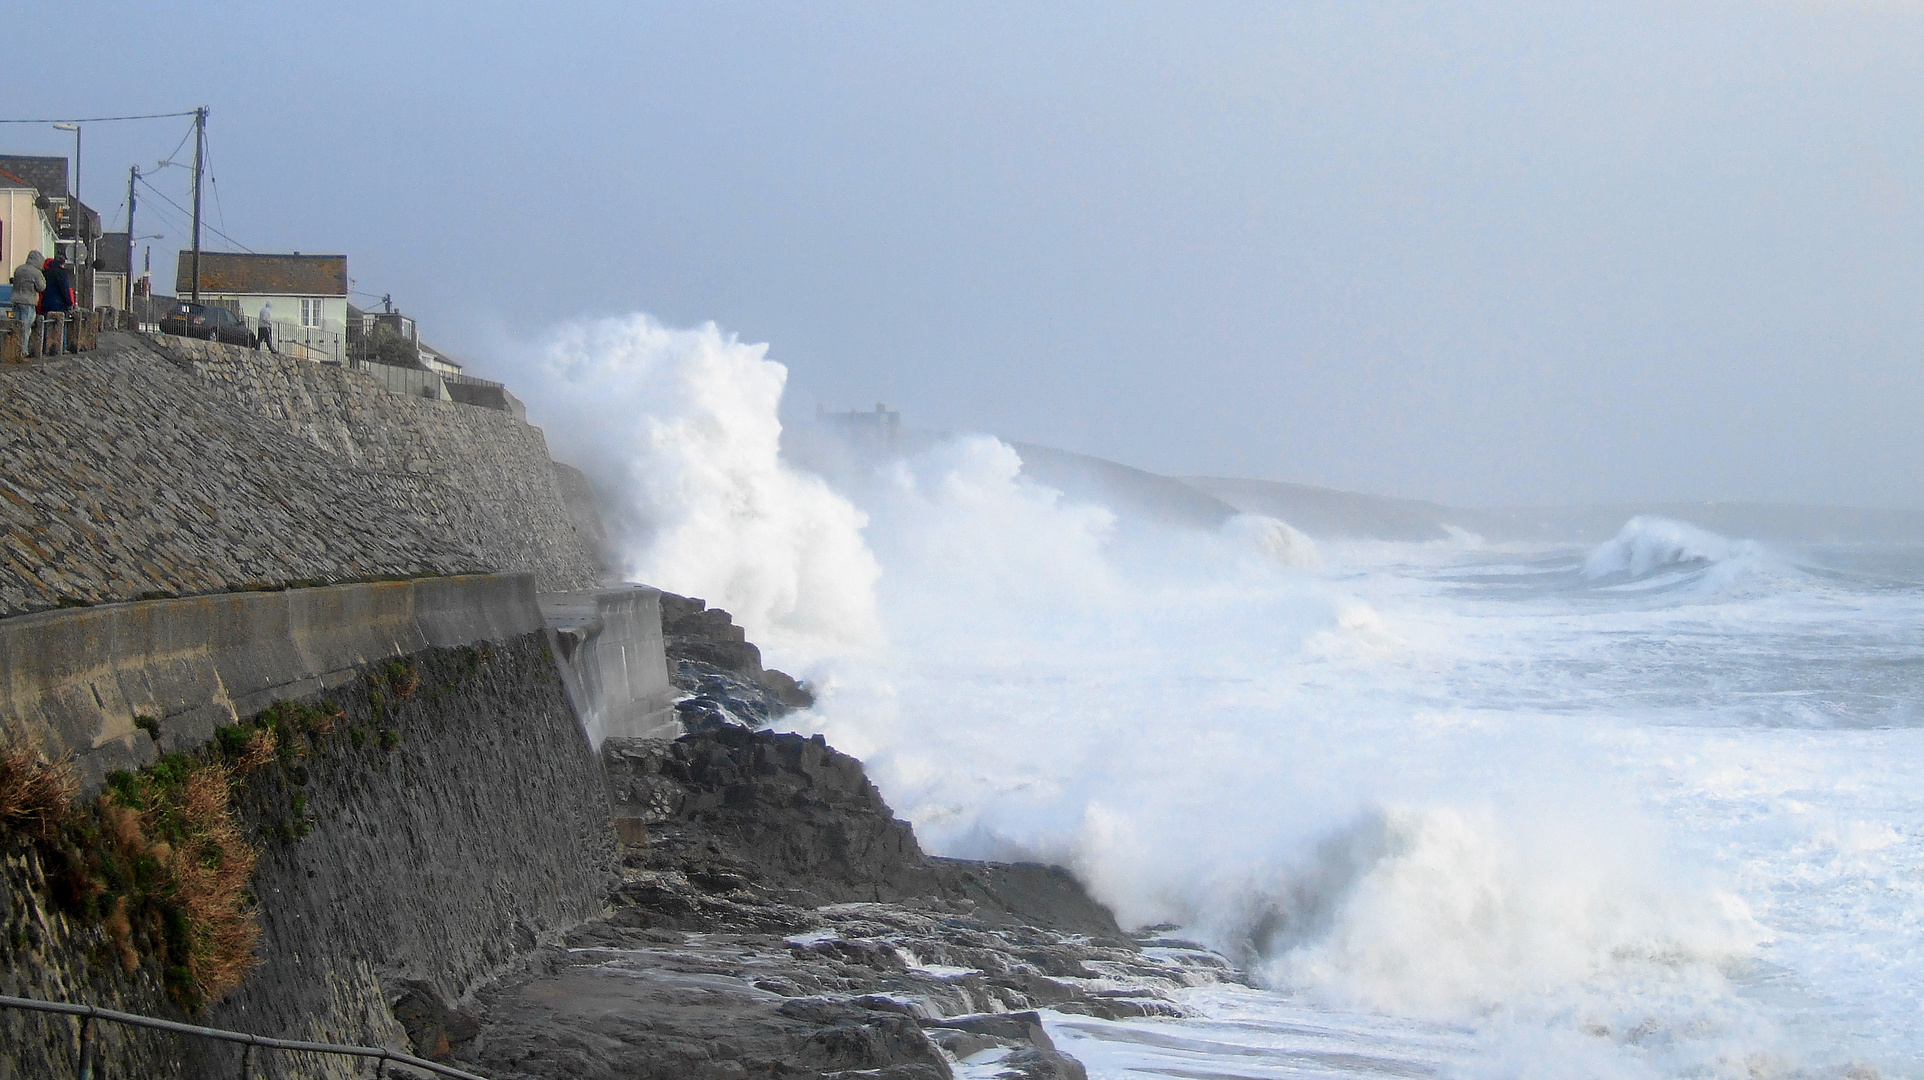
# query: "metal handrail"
94,1012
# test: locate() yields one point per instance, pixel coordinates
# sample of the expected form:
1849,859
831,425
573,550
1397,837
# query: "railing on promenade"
89,1014
326,347
77,330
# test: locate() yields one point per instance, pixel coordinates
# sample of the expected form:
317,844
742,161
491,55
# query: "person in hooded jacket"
58,295
28,284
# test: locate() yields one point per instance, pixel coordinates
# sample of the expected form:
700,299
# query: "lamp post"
82,264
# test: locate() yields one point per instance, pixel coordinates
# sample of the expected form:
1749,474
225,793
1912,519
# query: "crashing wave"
1648,544
1278,542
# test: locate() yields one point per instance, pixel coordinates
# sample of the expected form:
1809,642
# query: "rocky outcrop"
801,822
775,919
712,661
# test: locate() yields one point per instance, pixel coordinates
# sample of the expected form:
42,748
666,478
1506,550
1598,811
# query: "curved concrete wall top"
76,679
613,662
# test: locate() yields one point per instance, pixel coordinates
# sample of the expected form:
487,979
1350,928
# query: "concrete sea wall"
101,683
613,662
193,533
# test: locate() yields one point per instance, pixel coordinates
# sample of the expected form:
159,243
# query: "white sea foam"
1391,787
1648,544
679,434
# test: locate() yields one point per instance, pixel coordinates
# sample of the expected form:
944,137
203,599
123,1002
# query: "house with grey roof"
309,292
36,184
110,271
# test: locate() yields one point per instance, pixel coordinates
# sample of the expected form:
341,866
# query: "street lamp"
82,264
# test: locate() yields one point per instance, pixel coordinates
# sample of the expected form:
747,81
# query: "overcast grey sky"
1474,252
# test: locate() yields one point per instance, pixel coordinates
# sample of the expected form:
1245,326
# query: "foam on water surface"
1644,808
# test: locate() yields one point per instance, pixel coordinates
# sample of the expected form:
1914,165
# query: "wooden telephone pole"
200,158
133,174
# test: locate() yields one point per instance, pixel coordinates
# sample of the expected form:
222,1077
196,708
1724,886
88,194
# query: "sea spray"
1648,544
1294,760
678,432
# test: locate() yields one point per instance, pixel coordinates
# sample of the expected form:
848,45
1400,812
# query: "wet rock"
774,919
1023,1028
1040,1065
795,817
711,659
434,1029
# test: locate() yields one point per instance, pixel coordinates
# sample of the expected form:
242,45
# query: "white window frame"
311,309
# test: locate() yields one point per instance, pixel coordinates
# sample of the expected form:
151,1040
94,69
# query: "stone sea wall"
140,470
512,504
438,835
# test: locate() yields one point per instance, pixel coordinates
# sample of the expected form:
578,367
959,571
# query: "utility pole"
200,157
133,174
82,243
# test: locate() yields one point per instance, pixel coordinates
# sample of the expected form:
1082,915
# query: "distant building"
880,430
435,360
308,291
363,325
25,221
110,271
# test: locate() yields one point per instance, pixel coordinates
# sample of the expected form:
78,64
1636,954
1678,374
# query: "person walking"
28,284
265,339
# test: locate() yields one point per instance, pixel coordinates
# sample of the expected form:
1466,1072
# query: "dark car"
207,321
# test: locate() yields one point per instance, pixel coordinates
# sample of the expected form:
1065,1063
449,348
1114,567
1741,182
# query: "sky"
1480,253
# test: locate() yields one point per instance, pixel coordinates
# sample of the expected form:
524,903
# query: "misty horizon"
1481,255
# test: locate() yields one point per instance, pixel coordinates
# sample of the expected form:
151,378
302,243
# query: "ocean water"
1650,808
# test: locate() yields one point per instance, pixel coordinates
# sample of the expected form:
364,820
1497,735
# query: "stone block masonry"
446,832
134,472
510,502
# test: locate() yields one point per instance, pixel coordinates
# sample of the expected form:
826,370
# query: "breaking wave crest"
1208,728
1647,545
678,431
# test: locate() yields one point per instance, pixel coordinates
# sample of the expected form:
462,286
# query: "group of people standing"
41,286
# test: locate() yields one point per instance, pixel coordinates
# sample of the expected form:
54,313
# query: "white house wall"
27,228
287,309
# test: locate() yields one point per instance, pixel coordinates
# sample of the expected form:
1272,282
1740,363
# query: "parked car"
209,322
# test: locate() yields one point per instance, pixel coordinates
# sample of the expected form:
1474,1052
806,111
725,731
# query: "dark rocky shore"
773,919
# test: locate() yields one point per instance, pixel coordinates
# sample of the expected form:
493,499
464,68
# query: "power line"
102,119
203,224
174,223
214,181
168,161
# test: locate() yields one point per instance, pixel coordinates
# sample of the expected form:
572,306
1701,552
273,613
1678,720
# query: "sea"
1651,806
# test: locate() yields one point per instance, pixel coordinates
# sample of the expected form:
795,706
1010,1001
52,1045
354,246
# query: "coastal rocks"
848,987
800,822
774,919
782,811
711,660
